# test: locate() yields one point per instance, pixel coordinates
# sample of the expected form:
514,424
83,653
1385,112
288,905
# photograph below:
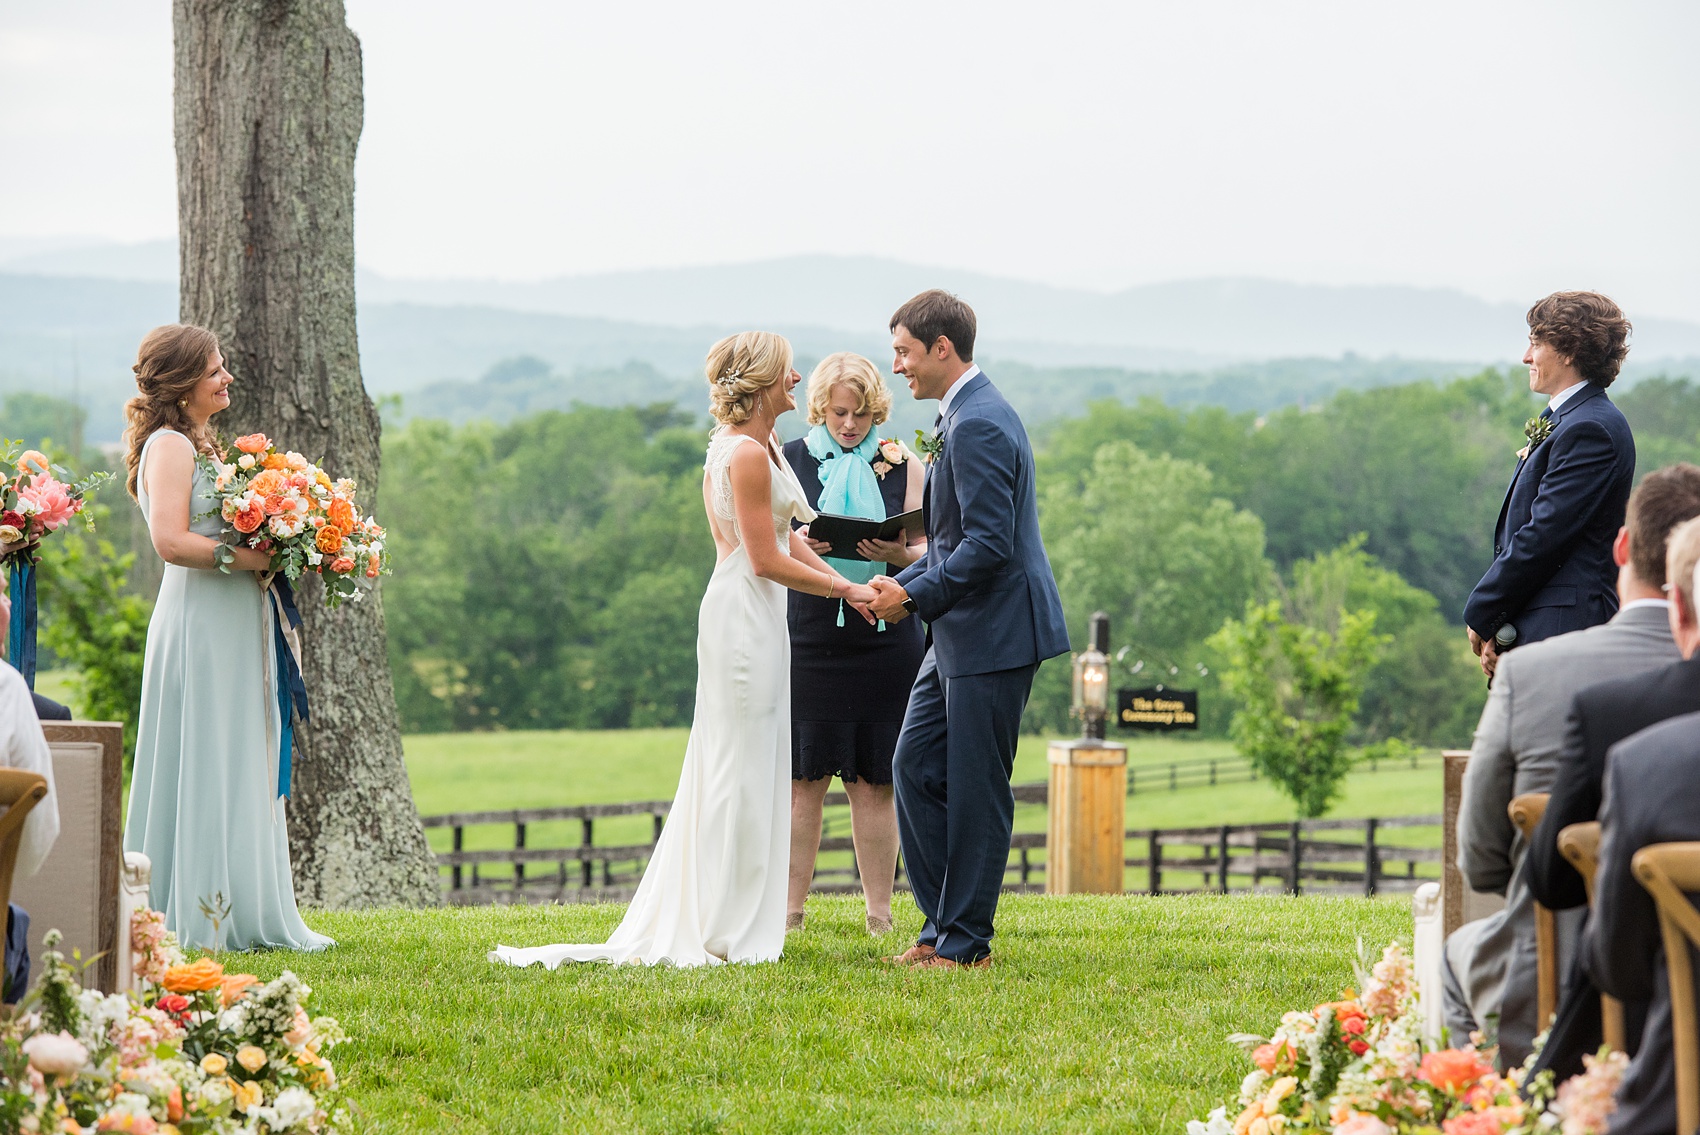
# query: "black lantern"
1092,678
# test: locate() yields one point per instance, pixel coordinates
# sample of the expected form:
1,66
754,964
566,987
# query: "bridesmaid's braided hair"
170,363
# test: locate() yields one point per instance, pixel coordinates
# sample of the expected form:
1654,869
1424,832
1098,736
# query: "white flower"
216,1092
1217,1124
100,1013
315,558
9,534
246,461
55,1054
292,1106
27,507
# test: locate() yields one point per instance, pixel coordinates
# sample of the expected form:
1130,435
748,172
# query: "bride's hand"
859,596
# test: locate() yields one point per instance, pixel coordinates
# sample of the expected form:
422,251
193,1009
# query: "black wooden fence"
1310,855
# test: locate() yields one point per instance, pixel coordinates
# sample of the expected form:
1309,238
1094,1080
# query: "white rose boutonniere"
892,453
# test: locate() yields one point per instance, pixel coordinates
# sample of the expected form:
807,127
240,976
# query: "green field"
465,772
1100,1015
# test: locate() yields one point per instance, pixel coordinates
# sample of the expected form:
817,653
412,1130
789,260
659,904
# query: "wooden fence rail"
1330,855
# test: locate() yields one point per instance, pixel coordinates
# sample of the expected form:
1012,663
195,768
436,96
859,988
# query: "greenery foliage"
1298,685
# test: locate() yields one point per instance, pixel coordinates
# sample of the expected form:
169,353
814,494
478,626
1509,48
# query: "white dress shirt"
1564,396
22,746
956,388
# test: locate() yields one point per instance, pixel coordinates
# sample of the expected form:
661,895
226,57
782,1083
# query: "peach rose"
249,1094
232,988
1454,1069
253,443
269,483
252,1057
33,461
342,565
251,517
1362,1123
213,1064
55,1054
194,977
1473,1123
295,460
329,540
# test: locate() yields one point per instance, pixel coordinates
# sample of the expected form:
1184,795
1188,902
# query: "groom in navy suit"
991,605
1553,570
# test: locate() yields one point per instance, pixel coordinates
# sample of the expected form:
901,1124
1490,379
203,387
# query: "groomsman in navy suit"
986,591
1552,570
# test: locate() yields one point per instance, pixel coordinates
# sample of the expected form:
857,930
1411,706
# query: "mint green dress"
203,798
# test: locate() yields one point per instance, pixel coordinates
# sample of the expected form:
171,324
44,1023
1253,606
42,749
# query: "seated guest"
1651,783
1552,570
1600,717
1490,971
23,747
46,709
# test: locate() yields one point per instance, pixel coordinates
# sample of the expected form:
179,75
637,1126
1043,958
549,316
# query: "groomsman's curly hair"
934,314
1586,328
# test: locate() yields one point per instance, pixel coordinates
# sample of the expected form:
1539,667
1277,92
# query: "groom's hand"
889,597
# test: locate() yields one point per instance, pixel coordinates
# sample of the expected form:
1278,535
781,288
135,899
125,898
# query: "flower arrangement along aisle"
33,503
1361,1066
284,505
199,1052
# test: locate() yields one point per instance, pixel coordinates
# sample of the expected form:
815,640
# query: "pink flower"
1362,1123
1474,1123
55,1054
253,443
52,499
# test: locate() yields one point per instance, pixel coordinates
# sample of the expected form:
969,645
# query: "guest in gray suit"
1489,979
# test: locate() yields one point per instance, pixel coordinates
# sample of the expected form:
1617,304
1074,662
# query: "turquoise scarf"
848,488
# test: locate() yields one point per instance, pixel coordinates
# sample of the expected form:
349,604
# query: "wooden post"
587,868
1293,845
457,846
519,867
1451,879
1154,861
1088,808
1222,859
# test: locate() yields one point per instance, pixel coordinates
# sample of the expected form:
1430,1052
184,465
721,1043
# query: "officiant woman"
850,679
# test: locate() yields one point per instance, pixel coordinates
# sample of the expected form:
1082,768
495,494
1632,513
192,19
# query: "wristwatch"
223,556
909,604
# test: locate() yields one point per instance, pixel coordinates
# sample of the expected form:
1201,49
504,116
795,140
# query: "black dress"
849,684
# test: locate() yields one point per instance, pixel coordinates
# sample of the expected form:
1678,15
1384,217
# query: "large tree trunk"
268,116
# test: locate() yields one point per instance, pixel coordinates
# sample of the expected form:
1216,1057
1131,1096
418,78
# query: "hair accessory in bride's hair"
730,377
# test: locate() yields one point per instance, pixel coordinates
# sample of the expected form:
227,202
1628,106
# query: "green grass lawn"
1101,1015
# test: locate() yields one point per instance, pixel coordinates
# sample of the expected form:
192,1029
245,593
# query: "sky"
1507,149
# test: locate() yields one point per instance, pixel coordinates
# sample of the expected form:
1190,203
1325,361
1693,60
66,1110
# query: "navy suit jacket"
985,586
1552,570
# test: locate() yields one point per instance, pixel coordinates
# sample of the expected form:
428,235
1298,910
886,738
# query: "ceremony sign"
1157,709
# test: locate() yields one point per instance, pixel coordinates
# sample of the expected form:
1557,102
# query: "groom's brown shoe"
938,962
914,955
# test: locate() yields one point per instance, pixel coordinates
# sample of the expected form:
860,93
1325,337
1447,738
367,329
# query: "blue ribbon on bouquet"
20,637
291,687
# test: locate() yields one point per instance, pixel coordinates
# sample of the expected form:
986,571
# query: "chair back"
20,792
1526,812
1580,845
1671,872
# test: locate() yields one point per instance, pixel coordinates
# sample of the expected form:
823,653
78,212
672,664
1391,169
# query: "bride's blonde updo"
740,368
170,363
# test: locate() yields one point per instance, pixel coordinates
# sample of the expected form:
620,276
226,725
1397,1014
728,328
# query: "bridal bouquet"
35,502
284,505
198,1052
1361,1066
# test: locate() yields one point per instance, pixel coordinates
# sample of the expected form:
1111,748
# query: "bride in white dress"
714,891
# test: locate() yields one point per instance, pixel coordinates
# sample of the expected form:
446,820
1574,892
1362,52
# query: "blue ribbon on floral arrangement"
20,637
291,687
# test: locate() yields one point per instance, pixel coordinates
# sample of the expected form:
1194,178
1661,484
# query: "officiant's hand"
818,547
897,553
888,603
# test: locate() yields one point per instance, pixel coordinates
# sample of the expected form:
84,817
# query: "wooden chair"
1671,872
1580,844
20,792
1526,812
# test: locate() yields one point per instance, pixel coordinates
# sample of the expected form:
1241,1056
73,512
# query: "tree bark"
268,117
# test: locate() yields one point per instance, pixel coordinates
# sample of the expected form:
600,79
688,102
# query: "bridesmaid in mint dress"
204,806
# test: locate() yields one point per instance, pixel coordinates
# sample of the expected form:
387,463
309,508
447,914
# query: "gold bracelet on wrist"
831,585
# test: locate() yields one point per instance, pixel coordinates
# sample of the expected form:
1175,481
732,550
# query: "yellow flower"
251,1057
249,1094
213,1064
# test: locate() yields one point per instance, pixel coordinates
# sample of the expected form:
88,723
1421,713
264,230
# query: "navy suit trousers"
958,745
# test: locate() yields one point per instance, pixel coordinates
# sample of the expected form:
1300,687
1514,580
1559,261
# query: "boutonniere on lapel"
891,454
929,444
1536,430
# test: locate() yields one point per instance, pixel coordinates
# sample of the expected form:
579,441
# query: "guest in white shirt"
22,746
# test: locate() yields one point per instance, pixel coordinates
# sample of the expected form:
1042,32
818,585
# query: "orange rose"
253,443
233,986
1265,1056
342,565
276,461
329,539
275,505
195,977
1454,1069
269,483
341,514
251,518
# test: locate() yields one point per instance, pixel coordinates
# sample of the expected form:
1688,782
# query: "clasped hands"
1485,649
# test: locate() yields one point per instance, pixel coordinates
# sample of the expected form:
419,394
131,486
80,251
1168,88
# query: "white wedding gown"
714,891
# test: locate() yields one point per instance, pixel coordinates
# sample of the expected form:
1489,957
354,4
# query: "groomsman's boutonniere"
1536,430
892,454
929,444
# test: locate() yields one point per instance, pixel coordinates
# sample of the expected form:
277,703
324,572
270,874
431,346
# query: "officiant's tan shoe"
938,962
914,955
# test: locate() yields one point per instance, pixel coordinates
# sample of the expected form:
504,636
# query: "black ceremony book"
845,532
